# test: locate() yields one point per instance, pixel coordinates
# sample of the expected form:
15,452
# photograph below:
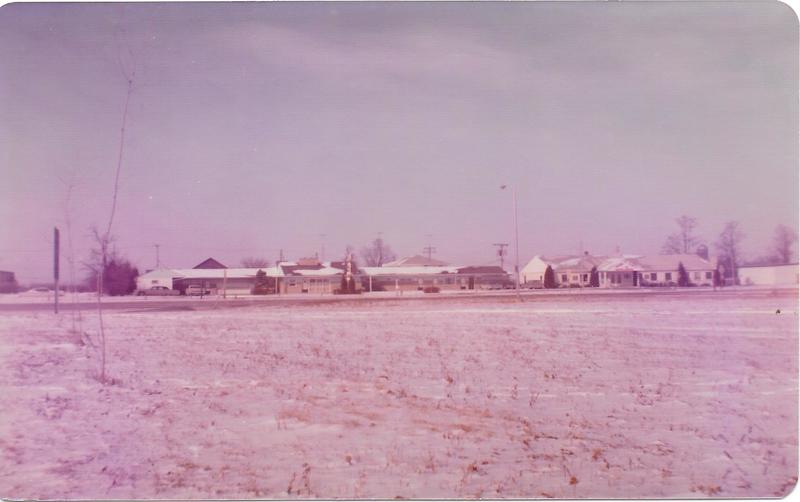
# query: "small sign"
55,253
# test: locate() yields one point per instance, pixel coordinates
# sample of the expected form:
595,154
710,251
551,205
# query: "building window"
653,276
709,275
697,275
627,275
668,276
563,277
585,277
154,281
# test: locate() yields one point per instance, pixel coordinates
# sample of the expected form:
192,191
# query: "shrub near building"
119,277
550,278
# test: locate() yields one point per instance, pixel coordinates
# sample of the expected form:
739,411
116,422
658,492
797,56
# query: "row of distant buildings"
310,275
420,273
649,271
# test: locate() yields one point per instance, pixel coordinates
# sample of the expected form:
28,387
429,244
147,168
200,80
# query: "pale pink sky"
256,127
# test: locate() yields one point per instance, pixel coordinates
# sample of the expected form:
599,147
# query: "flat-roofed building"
769,275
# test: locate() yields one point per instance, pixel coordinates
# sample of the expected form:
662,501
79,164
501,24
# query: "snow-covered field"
614,396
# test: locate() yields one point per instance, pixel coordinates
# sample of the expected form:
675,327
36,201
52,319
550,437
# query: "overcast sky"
256,127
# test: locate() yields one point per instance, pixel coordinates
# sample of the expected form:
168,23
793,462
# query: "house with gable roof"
620,271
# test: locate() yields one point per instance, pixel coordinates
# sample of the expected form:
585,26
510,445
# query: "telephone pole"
56,254
501,252
158,260
429,249
516,238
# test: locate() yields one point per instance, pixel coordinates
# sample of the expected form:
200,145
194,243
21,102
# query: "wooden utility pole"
429,249
55,264
516,239
158,260
501,252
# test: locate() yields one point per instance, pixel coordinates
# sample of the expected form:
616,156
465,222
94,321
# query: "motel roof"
430,270
670,262
416,261
213,273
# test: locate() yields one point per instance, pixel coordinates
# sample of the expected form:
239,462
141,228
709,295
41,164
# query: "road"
172,304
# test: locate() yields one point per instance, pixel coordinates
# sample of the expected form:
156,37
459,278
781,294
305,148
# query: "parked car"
197,290
42,291
158,291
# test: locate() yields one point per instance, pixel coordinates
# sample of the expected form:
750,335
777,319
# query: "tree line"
729,245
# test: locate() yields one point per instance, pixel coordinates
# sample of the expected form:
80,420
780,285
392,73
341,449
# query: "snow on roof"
219,273
403,270
414,261
671,261
583,263
775,265
321,271
619,264
481,269
655,263
160,272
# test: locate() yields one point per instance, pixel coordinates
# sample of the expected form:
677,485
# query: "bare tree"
684,241
672,245
377,253
253,262
103,239
782,243
729,245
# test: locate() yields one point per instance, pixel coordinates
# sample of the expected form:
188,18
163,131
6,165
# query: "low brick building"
8,283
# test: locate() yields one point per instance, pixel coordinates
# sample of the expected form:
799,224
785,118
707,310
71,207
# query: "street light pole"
516,241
